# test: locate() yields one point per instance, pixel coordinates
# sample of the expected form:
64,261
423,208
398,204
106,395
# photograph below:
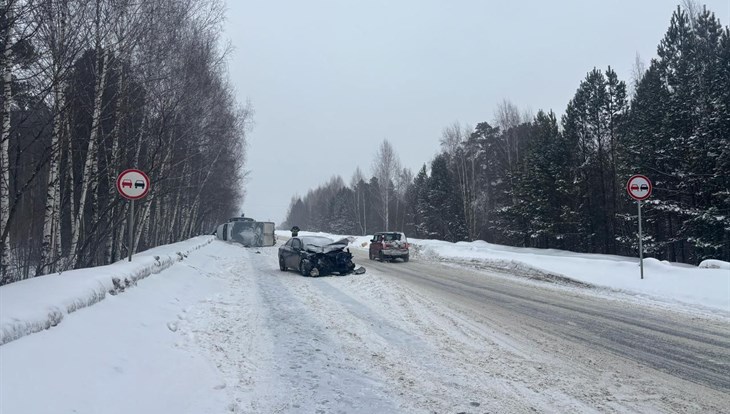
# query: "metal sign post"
639,188
131,229
641,242
132,184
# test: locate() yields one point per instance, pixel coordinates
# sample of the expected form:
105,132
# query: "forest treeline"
545,182
93,87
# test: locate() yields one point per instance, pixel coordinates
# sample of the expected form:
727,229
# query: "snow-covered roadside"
226,331
275,353
672,283
36,304
363,344
416,351
130,353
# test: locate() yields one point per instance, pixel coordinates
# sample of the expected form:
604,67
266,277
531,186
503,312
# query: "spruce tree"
541,188
591,127
445,217
416,197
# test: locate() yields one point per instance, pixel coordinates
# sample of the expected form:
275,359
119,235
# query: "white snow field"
706,286
215,327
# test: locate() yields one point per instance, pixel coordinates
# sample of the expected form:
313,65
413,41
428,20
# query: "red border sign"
132,179
637,187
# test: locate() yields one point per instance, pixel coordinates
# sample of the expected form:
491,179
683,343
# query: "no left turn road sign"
133,184
639,187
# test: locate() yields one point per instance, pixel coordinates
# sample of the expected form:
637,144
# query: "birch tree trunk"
71,188
364,216
52,211
113,169
173,218
91,164
188,215
387,204
455,140
158,222
191,218
119,241
357,211
473,206
58,44
385,166
143,223
357,177
6,67
467,181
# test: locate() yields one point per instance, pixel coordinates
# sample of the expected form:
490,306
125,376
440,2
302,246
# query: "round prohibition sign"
133,184
639,187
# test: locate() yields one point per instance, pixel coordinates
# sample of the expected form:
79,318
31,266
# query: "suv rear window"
388,236
391,236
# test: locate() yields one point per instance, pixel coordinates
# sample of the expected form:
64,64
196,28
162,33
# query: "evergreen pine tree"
591,125
481,144
444,218
541,188
343,220
416,201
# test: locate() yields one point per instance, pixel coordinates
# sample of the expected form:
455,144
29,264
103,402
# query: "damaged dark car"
317,255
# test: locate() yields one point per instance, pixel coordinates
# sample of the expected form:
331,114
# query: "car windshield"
316,240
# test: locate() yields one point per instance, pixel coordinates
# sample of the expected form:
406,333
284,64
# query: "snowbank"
714,264
36,304
672,282
707,285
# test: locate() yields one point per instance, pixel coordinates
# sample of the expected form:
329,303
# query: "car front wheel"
282,266
405,258
304,267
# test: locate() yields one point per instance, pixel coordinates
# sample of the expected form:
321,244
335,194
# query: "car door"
375,245
293,253
285,251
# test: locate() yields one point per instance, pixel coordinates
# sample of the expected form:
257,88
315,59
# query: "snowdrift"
40,303
706,285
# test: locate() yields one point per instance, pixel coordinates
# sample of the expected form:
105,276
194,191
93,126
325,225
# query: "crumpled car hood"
328,248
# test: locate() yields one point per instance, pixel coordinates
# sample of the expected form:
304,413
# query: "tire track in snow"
277,357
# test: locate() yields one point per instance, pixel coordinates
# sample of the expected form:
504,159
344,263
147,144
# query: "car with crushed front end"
389,245
317,255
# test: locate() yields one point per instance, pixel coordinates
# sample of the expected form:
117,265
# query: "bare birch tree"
454,141
357,183
6,68
62,37
386,166
403,180
120,84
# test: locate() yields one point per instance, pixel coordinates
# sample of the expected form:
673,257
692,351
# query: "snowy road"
226,331
681,345
424,337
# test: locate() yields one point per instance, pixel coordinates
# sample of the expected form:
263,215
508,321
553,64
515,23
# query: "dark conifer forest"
560,182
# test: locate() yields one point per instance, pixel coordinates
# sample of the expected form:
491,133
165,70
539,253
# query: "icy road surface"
226,331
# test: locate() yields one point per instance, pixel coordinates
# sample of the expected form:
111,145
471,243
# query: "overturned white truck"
247,231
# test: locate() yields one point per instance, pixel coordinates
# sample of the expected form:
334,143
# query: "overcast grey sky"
329,80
